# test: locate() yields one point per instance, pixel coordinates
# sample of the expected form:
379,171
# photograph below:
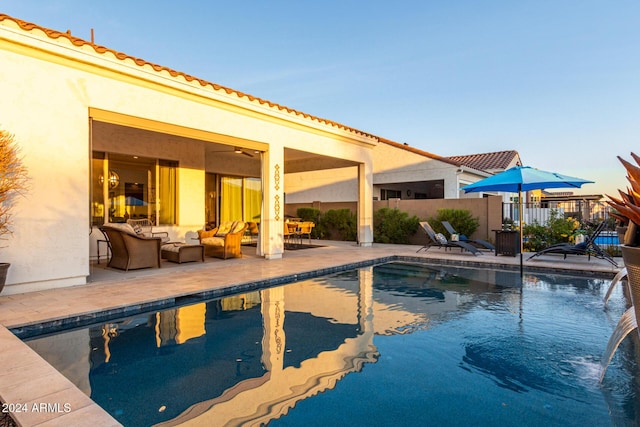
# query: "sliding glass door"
240,199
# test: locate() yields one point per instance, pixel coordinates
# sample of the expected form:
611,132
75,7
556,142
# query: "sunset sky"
558,81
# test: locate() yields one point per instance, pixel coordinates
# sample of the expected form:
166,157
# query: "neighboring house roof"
28,26
490,162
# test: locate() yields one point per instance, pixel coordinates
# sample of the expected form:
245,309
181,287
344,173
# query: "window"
390,194
134,187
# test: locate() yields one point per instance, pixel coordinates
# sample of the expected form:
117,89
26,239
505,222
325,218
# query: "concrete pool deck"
40,395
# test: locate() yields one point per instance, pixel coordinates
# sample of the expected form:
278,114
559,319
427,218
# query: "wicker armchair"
223,241
130,251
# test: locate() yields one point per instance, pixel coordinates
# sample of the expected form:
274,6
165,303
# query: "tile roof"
488,161
53,34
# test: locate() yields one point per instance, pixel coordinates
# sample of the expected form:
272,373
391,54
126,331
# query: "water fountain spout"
627,323
622,274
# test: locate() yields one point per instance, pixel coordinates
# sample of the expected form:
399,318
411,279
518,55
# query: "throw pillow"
224,228
440,238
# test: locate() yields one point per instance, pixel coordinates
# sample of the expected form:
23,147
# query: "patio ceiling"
294,160
224,152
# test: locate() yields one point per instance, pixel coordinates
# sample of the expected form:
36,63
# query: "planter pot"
621,232
631,256
4,267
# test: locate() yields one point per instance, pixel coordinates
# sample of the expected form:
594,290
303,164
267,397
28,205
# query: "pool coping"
79,320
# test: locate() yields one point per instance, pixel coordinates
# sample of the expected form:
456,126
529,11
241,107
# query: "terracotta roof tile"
488,161
28,26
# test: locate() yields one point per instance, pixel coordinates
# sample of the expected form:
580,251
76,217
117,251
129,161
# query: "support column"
365,203
271,243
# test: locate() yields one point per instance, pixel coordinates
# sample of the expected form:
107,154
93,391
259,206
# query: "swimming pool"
393,344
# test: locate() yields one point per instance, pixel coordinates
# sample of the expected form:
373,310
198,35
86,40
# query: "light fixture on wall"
114,180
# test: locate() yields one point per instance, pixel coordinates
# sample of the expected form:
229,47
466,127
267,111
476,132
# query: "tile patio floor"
27,378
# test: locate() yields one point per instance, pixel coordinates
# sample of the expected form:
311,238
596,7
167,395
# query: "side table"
507,242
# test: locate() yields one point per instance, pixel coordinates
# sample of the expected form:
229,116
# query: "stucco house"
399,172
106,136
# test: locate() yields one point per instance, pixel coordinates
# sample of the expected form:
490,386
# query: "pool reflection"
250,358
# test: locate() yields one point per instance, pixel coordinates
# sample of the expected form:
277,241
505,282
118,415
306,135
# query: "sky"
556,80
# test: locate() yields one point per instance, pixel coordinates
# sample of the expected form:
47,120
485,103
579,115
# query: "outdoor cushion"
173,247
123,227
225,228
441,238
213,241
237,226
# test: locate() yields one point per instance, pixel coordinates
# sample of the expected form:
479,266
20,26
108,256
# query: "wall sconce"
114,180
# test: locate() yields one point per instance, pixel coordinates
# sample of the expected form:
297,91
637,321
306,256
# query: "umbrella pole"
520,225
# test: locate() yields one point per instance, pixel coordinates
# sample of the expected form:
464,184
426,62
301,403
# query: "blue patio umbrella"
524,178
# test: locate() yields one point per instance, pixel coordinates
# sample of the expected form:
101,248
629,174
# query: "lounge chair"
479,243
130,251
223,241
438,240
588,248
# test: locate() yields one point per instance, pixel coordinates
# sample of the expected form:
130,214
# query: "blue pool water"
394,344
607,240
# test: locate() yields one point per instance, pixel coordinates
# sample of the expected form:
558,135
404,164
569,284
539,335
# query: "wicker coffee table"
182,252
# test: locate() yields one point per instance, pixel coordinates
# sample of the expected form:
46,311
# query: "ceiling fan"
237,150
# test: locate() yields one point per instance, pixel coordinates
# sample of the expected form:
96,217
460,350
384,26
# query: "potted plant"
628,207
13,183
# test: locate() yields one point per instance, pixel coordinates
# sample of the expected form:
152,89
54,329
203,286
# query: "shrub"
535,237
341,221
557,229
13,180
393,226
460,219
